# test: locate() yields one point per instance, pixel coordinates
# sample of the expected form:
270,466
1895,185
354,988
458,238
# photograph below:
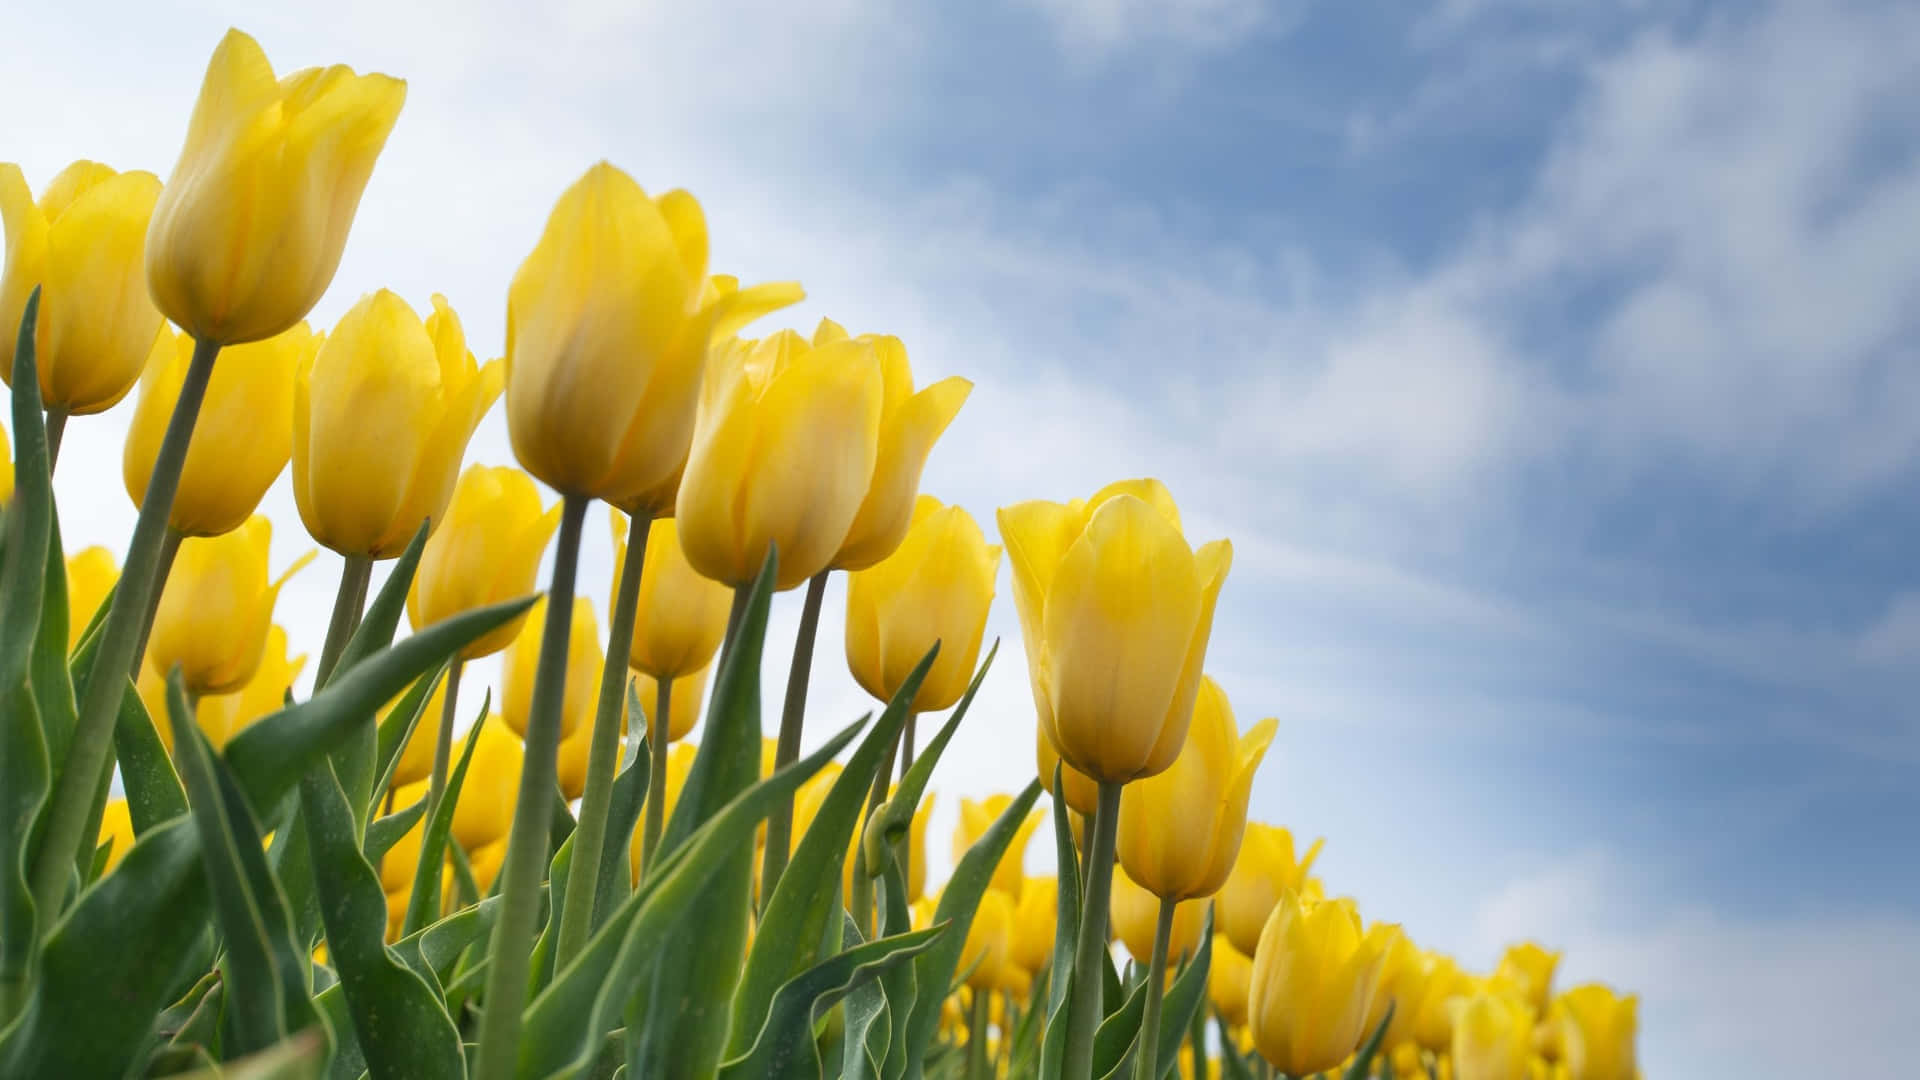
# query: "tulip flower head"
1228,976
250,227
1529,969
492,787
988,948
214,613
1180,829
936,587
486,551
1265,868
1315,975
1116,610
976,817
222,716
1492,1037
684,702
84,244
1135,913
609,320
91,574
381,419
1404,983
584,660
1034,923
1598,1030
1433,1019
681,616
1081,792
242,438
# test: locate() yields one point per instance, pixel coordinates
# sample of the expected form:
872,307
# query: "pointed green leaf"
47,670
399,726
356,761
424,901
383,833
147,776
301,1057
1362,1066
23,788
29,517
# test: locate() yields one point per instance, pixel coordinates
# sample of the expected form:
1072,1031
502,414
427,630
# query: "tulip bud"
491,789
91,574
222,716
1034,921
1492,1037
1265,869
1433,1019
116,831
249,229
1315,975
1135,913
608,324
936,587
987,951
1404,981
1116,610
84,244
381,419
584,660
1227,979
213,615
1180,829
910,423
681,616
486,550
1597,1032
783,452
976,817
242,438
1529,968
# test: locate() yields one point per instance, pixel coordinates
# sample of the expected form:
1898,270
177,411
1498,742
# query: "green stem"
1083,1018
657,732
861,903
977,1037
512,945
1147,1048
348,603
56,427
603,753
169,548
792,718
87,755
1197,1042
442,756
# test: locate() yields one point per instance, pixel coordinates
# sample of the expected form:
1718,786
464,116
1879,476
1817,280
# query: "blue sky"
1551,365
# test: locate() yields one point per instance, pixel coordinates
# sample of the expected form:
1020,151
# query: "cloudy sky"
1551,365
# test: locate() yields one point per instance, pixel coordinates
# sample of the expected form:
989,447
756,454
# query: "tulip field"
204,872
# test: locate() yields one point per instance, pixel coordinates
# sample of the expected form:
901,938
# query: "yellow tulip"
1529,968
249,229
213,615
1135,914
935,587
222,716
987,950
1180,829
783,451
1314,978
584,660
84,244
1034,918
1598,1030
485,864
486,550
1265,869
491,789
608,324
1492,1037
1116,610
1433,1020
683,705
1081,792
242,438
681,616
381,419
1228,977
116,831
570,768
91,574
910,423
679,764
1404,982
976,817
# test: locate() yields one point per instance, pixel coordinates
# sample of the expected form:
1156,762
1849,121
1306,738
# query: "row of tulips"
368,881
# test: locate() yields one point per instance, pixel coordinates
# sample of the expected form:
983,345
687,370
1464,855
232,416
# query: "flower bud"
936,587
976,817
681,616
486,550
1315,975
214,613
91,575
1492,1037
1265,868
584,660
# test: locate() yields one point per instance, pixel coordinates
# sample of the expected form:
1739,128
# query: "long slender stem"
1147,1051
442,753
659,728
792,719
169,548
125,625
1083,1017
1197,1043
977,1037
512,944
603,753
56,427
348,603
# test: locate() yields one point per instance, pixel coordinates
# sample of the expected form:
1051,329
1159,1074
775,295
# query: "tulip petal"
906,438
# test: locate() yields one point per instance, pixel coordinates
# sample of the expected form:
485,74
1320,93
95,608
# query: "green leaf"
784,1047
900,984
263,966
623,813
1119,1036
29,518
383,833
683,1033
958,901
357,760
152,787
1362,1065
23,788
541,969
864,1045
402,1027
399,726
271,755
47,670
423,902
1066,924
1232,1065
787,940
301,1057
565,1023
